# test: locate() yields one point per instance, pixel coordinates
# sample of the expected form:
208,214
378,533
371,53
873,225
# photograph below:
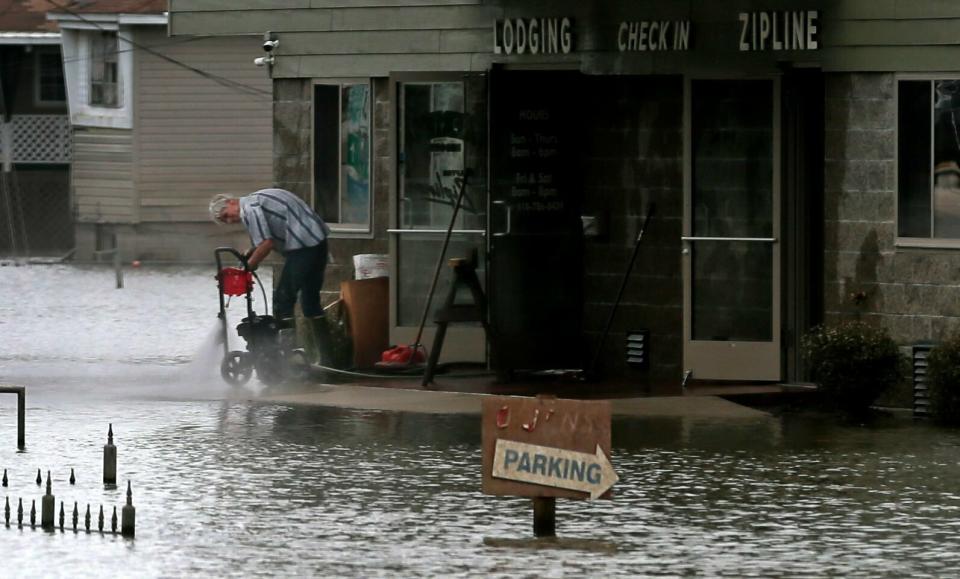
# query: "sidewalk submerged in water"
363,397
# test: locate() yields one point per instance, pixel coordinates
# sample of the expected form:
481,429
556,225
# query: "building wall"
375,37
102,175
633,156
292,167
195,137
913,292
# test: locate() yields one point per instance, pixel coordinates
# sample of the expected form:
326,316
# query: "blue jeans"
302,274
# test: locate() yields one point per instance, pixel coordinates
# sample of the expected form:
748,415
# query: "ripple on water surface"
236,488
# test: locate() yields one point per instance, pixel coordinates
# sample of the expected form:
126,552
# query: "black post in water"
109,460
544,517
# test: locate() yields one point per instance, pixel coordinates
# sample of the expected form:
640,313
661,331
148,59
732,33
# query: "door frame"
463,343
732,360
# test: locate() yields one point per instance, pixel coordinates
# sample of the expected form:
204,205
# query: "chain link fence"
35,212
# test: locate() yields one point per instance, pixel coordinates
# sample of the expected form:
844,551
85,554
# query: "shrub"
943,379
853,363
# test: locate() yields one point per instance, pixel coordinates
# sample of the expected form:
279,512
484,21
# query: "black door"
536,236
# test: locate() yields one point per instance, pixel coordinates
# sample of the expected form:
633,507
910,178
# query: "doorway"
731,250
536,241
440,147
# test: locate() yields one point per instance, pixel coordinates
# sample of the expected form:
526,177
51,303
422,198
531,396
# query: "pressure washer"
269,346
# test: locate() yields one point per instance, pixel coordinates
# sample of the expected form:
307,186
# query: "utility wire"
221,80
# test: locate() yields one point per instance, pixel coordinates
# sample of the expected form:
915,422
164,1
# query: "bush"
943,379
853,363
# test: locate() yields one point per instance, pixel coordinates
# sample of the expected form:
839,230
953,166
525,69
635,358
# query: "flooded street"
230,487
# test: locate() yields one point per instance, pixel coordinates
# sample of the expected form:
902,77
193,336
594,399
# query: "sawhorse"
464,274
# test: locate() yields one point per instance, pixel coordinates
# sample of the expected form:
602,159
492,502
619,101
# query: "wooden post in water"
116,266
544,517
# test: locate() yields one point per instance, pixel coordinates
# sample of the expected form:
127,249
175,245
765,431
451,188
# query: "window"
341,155
50,86
104,88
928,164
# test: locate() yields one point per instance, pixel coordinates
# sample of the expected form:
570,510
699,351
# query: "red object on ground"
235,281
403,355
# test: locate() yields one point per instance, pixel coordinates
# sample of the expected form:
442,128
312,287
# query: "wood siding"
322,38
102,175
195,136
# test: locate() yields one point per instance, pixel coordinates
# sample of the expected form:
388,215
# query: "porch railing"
35,139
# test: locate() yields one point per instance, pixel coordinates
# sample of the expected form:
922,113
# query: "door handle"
506,204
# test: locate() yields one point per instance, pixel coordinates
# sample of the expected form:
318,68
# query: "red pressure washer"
266,352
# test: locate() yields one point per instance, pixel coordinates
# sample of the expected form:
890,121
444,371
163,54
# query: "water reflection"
253,489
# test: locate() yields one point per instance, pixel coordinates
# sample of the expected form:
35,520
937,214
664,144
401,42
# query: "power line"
221,80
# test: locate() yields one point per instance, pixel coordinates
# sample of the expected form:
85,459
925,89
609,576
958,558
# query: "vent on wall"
638,354
921,396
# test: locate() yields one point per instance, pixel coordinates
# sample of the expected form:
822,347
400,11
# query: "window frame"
345,230
916,242
38,99
91,63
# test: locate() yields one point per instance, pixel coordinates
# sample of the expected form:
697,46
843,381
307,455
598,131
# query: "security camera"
264,60
270,45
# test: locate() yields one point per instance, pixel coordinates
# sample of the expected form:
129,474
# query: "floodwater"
224,487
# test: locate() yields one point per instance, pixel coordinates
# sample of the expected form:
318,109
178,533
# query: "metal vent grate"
921,396
638,354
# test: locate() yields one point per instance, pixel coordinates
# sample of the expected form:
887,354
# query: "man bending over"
277,219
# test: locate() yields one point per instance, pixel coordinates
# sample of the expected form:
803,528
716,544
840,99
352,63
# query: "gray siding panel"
196,136
318,37
102,175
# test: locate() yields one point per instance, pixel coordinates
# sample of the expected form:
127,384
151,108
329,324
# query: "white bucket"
370,265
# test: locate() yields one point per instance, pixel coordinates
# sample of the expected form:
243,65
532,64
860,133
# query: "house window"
341,155
104,88
928,164
50,87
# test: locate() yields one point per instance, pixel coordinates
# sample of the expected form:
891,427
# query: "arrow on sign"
554,467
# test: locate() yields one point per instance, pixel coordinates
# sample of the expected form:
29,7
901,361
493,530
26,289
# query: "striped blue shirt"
280,215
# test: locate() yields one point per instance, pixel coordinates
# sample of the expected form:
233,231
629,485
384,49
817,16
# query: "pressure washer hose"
412,372
266,308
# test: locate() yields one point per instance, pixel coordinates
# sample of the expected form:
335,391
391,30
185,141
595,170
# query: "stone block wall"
633,155
913,292
293,168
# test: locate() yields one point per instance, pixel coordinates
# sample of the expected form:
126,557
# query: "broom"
410,352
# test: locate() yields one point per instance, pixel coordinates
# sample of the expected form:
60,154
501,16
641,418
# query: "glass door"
731,250
440,147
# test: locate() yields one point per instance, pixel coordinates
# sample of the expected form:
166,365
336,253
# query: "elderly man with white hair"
277,219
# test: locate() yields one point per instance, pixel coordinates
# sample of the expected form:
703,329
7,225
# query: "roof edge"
73,20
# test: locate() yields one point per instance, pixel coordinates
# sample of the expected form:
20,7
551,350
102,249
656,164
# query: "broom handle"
436,271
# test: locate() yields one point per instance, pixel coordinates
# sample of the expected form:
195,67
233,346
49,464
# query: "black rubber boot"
287,334
321,333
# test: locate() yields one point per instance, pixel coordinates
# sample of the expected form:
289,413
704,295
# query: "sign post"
545,448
